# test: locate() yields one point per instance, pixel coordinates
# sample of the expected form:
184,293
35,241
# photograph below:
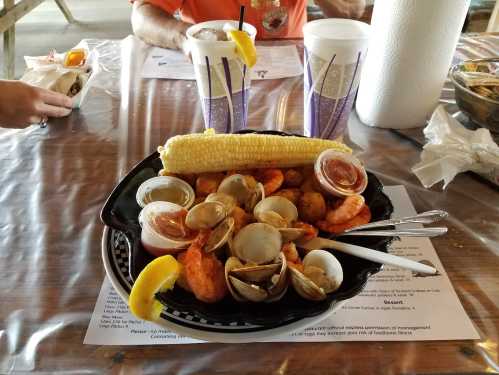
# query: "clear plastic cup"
222,78
340,174
165,188
334,51
160,239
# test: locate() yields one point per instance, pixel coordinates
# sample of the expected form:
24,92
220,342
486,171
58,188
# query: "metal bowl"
481,110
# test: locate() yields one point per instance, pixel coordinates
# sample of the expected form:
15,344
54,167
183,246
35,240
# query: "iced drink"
334,52
223,79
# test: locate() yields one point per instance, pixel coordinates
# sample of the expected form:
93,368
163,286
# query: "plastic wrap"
54,182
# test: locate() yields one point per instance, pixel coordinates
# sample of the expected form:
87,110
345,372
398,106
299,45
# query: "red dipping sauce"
340,174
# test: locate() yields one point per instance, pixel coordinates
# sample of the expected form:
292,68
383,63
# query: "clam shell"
257,243
236,186
231,263
280,205
329,264
256,273
220,235
227,200
280,286
272,218
332,271
306,287
291,234
255,196
251,292
205,215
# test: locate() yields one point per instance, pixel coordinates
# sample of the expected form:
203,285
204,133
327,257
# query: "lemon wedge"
158,276
244,46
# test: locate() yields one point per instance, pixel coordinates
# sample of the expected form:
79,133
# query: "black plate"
121,212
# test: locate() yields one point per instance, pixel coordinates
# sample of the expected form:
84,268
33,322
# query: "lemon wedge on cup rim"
245,46
158,276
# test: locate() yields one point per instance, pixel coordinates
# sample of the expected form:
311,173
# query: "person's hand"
22,104
185,47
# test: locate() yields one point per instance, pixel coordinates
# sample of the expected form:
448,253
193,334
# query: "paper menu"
273,62
395,306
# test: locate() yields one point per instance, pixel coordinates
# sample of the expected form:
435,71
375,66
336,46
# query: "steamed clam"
227,200
257,243
205,215
257,283
244,189
280,213
220,235
322,274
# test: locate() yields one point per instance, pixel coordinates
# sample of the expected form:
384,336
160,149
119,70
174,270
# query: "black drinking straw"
241,18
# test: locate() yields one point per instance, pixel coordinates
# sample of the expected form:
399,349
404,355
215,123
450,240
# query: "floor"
46,28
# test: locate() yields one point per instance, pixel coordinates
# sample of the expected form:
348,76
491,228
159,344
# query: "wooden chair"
11,13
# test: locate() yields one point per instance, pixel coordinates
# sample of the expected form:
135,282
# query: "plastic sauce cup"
340,174
154,236
167,189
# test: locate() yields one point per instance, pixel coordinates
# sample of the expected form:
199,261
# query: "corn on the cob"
196,153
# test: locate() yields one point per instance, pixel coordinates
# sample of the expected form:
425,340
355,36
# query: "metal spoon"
422,218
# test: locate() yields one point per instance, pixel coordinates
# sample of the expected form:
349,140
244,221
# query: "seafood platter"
214,227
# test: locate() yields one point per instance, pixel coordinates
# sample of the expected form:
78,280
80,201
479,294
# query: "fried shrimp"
310,231
363,217
271,178
204,273
347,210
207,183
182,281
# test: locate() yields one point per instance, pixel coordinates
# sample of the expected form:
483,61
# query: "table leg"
9,39
65,10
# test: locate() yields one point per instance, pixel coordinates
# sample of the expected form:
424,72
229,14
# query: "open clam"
205,215
322,274
276,208
280,213
227,200
256,283
220,235
257,243
244,189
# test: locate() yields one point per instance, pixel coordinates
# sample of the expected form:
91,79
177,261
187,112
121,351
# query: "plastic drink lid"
340,174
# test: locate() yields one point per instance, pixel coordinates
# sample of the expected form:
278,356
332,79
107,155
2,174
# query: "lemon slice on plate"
244,46
158,276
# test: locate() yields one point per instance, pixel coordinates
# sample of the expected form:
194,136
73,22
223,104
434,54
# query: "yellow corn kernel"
209,152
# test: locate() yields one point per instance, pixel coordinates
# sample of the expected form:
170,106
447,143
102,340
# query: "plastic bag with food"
69,73
452,149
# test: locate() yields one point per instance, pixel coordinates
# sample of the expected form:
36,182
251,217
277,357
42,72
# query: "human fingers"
53,111
55,99
34,119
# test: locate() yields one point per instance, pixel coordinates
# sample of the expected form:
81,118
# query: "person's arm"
22,104
155,26
342,8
